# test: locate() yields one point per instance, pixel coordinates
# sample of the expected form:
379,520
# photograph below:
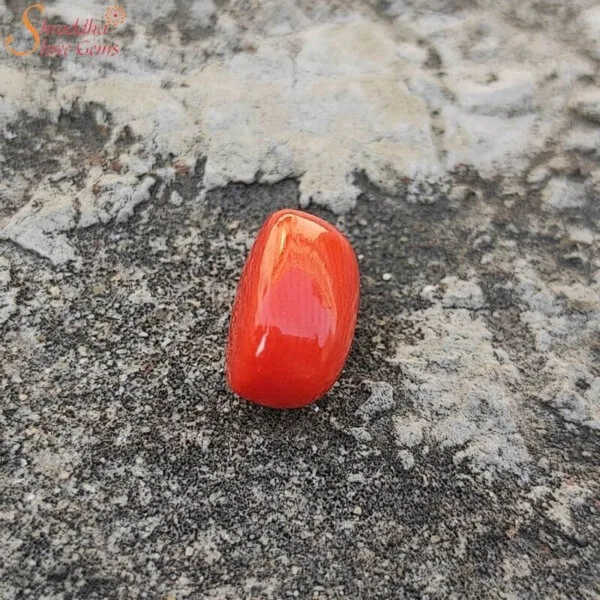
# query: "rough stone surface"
456,144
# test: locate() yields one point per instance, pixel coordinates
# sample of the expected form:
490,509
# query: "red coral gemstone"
294,314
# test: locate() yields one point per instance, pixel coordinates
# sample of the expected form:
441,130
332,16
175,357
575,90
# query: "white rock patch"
8,295
564,339
460,392
288,93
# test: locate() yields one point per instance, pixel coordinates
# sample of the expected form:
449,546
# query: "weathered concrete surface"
456,144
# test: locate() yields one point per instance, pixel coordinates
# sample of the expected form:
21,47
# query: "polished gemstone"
294,313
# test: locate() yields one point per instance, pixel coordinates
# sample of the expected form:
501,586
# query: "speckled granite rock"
457,457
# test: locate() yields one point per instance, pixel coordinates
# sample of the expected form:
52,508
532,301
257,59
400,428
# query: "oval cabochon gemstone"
294,313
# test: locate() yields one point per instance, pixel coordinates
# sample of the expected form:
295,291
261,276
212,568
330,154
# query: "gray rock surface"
456,145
